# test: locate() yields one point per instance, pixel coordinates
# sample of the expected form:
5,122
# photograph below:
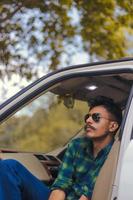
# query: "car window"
49,121
45,124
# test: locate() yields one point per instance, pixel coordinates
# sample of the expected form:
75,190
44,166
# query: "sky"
9,87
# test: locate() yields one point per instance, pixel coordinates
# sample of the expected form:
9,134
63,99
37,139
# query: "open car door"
63,96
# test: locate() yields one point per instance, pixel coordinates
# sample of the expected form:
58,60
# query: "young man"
85,156
81,165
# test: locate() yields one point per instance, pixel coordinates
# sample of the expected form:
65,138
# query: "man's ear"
113,126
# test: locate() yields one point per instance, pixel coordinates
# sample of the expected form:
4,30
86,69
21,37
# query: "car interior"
45,166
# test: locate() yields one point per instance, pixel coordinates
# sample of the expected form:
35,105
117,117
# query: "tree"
44,130
35,34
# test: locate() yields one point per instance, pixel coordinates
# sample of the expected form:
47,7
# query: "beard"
95,138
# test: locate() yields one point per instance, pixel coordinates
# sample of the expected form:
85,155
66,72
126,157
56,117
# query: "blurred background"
40,36
37,37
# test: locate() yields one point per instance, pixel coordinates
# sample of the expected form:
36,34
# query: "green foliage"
45,130
37,33
104,30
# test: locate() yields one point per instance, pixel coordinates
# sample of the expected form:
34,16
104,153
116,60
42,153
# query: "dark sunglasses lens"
96,117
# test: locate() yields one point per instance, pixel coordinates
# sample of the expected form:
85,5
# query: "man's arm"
64,180
57,195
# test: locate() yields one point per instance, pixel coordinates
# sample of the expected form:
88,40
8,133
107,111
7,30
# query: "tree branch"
10,15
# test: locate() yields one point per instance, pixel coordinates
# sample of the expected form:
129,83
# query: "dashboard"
44,167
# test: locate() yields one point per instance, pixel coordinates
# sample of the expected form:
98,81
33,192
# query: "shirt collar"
102,152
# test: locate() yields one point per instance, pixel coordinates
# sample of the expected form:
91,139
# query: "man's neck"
98,145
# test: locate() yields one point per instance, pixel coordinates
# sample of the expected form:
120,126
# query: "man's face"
95,129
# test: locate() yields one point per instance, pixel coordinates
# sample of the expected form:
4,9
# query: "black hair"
109,105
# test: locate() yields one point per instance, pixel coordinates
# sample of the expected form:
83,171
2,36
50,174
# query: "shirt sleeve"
64,179
87,191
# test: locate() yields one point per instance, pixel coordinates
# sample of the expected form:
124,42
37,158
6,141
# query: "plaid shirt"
79,169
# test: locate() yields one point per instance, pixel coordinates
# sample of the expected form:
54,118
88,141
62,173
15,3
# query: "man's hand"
83,197
57,195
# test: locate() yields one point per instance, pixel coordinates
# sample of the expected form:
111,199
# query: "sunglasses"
95,116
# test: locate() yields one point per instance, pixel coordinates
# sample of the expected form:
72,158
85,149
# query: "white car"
47,114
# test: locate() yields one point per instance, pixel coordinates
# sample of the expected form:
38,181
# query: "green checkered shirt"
79,168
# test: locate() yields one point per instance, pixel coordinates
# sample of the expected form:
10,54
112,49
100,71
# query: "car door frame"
126,136
40,86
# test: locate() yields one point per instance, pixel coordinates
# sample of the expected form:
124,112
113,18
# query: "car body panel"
126,130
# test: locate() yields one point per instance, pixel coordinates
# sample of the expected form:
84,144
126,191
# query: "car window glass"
44,124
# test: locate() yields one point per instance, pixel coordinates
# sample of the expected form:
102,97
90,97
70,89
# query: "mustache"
89,126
